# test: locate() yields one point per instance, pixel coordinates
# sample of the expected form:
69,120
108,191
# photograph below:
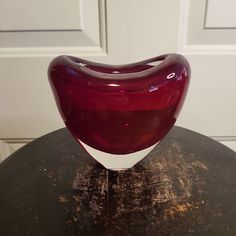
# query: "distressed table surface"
185,186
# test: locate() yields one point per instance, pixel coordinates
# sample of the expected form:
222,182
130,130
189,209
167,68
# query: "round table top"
185,186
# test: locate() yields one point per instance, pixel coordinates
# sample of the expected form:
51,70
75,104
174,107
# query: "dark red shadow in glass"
119,109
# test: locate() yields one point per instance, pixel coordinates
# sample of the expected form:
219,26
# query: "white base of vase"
117,162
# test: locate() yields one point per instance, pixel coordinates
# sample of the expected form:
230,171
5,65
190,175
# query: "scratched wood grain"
185,186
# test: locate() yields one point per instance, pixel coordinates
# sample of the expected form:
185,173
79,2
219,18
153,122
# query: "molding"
61,17
93,31
205,14
229,141
4,150
205,20
11,142
208,49
193,46
51,52
103,25
8,146
17,140
183,24
224,138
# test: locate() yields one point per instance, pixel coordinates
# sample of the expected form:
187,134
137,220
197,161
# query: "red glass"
119,109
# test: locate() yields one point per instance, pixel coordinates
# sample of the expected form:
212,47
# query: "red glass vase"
119,113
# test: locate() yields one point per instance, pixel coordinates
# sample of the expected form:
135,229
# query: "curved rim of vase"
166,59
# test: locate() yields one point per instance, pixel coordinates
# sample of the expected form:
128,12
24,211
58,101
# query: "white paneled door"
116,32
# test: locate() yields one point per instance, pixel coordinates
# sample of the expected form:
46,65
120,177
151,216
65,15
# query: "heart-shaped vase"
119,113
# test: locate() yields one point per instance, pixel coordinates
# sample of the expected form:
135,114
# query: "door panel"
210,107
39,15
118,32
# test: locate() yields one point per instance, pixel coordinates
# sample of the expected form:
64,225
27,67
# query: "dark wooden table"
185,186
